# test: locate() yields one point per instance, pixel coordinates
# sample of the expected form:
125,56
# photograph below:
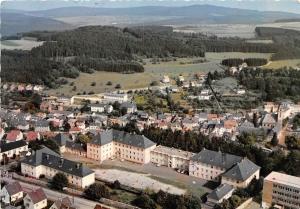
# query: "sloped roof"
60,139
64,203
220,192
37,195
218,159
268,119
36,158
13,188
242,170
135,140
12,145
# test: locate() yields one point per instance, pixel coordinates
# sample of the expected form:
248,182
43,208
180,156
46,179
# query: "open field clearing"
283,63
231,30
20,44
139,181
153,72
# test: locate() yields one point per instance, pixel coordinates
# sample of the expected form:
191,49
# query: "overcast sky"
265,5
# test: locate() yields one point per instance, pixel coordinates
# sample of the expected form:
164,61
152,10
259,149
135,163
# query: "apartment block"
113,143
281,190
171,157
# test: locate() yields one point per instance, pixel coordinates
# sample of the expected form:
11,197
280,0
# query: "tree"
96,191
59,181
116,184
235,201
84,139
36,100
145,202
292,143
274,140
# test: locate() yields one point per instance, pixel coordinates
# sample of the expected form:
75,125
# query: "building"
63,203
14,135
42,126
113,143
171,157
114,97
48,163
222,192
165,79
223,167
36,199
268,121
282,190
100,108
12,149
12,193
129,107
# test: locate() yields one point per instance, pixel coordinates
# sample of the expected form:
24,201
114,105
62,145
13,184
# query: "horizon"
291,6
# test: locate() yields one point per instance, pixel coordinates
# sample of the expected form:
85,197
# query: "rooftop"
285,179
220,192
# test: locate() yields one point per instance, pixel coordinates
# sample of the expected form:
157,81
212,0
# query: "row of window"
286,188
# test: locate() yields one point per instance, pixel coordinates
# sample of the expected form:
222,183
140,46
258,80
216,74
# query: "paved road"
79,202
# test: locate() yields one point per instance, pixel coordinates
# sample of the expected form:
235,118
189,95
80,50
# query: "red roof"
12,135
31,136
75,129
100,207
37,195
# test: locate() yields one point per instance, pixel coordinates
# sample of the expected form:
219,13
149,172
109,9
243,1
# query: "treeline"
87,64
195,142
287,40
272,84
249,61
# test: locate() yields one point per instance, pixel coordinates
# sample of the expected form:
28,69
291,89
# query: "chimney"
47,157
77,165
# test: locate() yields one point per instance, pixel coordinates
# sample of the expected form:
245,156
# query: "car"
157,165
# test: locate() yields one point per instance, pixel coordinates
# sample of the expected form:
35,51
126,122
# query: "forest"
249,61
105,48
273,85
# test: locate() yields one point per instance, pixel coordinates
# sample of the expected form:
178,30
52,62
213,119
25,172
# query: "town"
67,144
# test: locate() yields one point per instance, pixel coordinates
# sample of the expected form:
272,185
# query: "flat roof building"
282,190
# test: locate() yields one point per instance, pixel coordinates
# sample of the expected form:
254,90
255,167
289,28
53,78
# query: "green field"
153,72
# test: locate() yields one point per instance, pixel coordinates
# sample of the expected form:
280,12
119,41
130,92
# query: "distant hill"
184,14
287,20
15,22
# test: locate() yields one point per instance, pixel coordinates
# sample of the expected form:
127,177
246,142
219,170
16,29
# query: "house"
14,135
48,163
113,143
35,199
165,79
268,121
62,203
129,107
98,108
180,78
61,140
223,167
12,149
222,192
42,126
75,149
12,193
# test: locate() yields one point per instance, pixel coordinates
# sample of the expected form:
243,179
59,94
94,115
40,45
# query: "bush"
59,181
116,184
118,86
93,84
96,191
109,83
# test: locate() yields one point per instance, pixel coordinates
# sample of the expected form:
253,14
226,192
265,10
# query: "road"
79,202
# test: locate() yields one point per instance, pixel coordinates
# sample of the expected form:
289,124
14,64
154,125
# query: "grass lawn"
123,196
153,72
283,63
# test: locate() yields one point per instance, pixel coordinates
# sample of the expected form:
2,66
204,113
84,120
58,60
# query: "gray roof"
60,139
242,170
220,192
36,157
11,145
128,105
218,159
55,161
76,146
42,123
122,137
269,119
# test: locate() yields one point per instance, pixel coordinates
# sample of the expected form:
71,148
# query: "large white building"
12,149
171,157
48,163
224,168
282,190
113,143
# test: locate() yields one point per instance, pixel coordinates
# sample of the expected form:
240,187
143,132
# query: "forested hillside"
106,48
287,40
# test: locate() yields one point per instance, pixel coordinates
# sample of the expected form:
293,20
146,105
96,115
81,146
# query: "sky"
262,5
